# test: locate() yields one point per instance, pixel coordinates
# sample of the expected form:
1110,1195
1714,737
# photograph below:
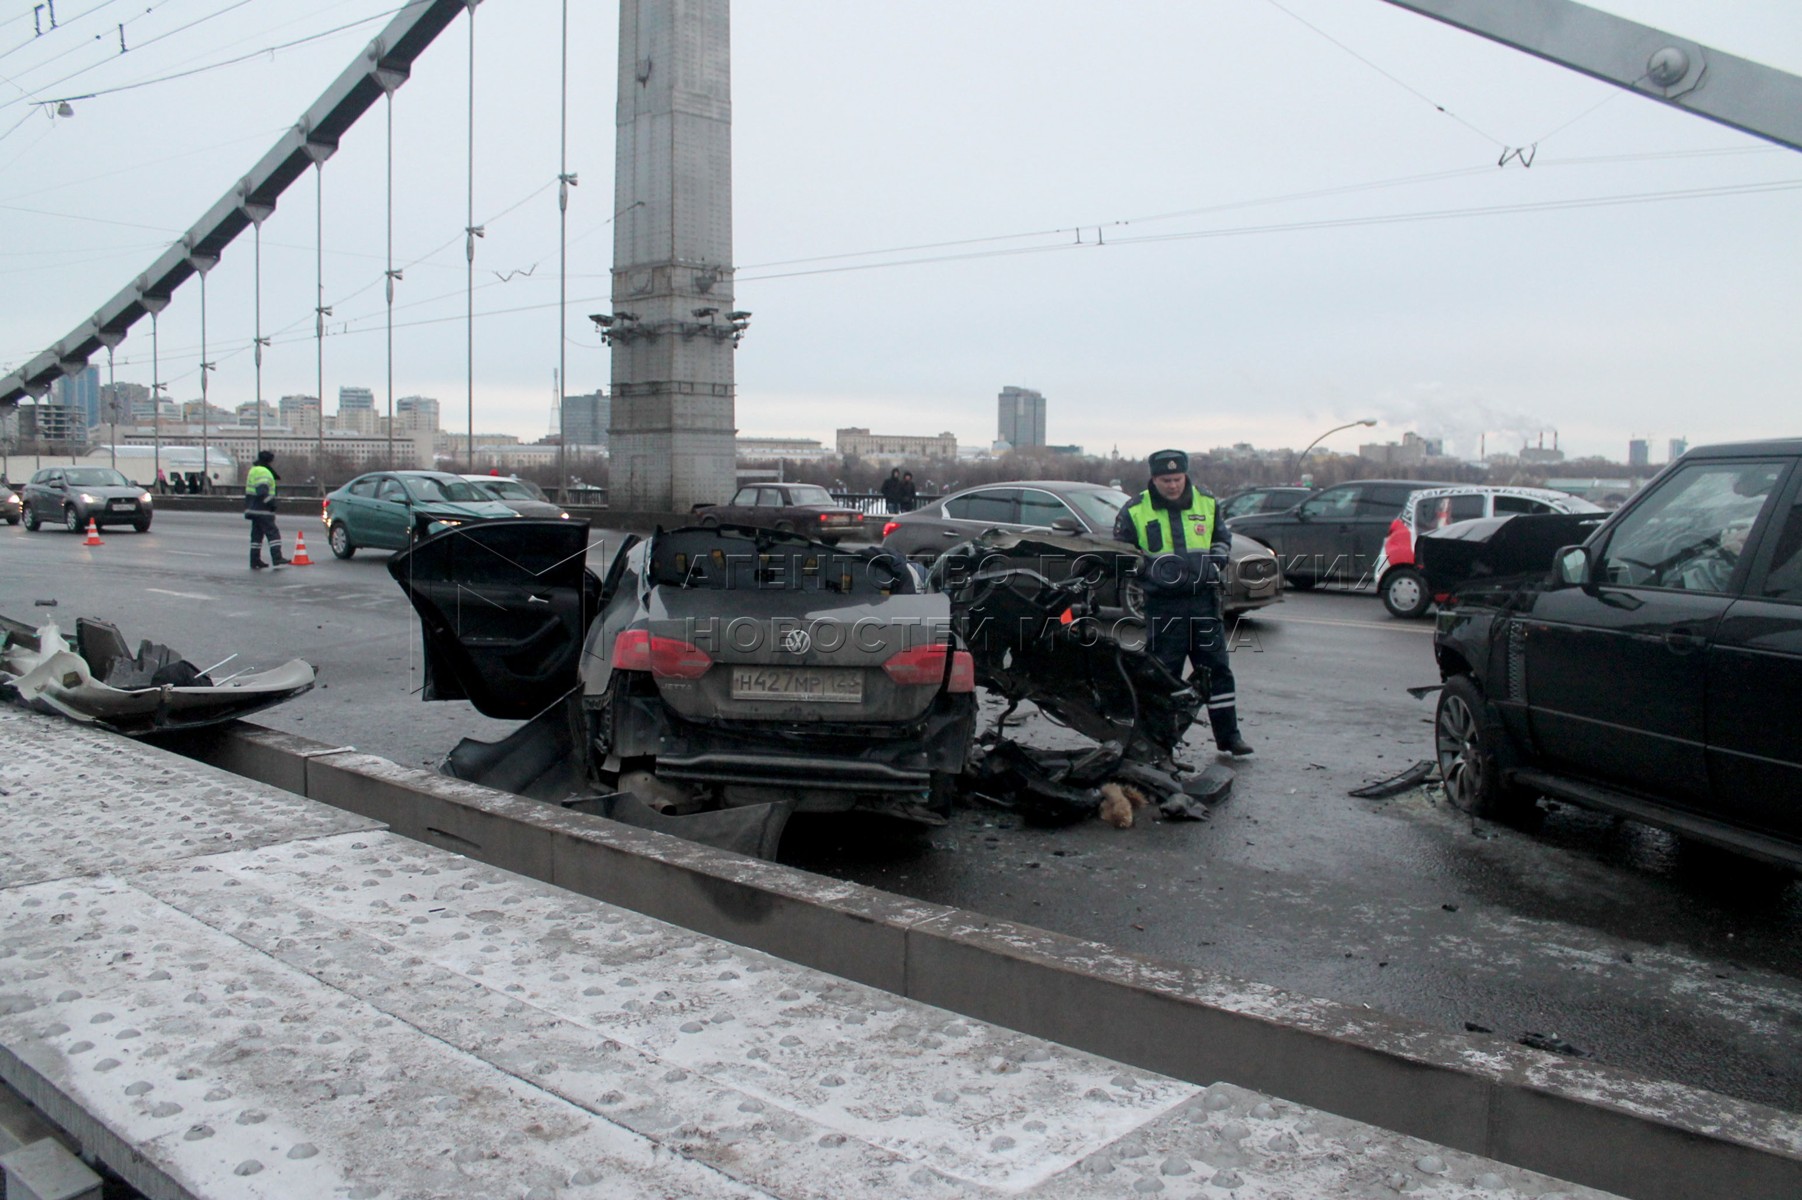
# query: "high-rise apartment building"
1679,447
586,417
81,391
1639,452
419,414
1020,418
300,413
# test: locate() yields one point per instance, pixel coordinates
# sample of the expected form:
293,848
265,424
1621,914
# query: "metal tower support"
389,57
672,329
1737,92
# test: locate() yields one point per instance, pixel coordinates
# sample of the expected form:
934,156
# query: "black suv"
1655,671
1335,535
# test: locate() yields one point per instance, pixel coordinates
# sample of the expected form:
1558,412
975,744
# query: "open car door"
503,608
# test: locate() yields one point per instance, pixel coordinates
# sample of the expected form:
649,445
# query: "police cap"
1169,462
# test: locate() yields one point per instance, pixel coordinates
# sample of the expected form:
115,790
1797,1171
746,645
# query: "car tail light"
926,665
889,527
638,650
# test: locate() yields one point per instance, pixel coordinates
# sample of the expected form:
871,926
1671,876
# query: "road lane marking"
1398,627
182,595
191,553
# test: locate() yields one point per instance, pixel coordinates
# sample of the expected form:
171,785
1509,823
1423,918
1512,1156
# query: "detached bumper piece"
99,681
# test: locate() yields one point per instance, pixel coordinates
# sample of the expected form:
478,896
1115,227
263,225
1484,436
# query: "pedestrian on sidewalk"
259,509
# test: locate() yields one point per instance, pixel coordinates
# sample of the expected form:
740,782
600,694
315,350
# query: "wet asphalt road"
1608,936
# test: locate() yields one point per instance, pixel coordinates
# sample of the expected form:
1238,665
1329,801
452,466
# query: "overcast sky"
1303,218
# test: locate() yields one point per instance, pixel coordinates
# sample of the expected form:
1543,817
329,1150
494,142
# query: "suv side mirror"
1571,567
1067,525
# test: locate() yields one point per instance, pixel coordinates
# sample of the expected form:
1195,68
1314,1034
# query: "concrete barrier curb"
1591,1124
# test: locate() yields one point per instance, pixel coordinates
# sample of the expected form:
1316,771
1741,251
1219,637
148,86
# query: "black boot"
275,555
1226,732
256,559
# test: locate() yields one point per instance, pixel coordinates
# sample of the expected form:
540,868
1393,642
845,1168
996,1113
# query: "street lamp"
1303,456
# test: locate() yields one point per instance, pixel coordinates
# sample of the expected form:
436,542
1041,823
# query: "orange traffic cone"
93,534
300,558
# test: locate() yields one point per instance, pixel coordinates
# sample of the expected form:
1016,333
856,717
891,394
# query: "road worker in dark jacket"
259,508
1173,521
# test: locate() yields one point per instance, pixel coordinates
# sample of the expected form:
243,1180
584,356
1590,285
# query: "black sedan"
1335,535
73,496
1047,506
1653,671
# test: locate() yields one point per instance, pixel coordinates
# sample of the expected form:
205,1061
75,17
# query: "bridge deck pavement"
225,990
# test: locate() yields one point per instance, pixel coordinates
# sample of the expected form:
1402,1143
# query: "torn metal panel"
97,681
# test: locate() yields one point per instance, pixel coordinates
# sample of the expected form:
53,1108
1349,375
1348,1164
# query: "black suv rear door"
1617,670
503,608
1755,684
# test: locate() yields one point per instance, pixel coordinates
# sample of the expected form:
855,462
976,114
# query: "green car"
388,510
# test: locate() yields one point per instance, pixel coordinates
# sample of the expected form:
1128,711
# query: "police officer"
259,509
1172,520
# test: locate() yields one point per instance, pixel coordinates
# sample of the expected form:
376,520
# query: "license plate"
820,686
121,503
841,519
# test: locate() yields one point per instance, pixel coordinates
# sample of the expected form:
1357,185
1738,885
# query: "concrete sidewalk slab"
321,1010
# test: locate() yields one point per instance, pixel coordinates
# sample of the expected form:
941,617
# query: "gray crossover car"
73,496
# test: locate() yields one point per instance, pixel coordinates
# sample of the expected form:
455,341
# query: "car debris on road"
98,680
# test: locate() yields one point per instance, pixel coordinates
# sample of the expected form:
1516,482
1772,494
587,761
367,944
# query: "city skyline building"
1639,452
417,414
1020,417
300,413
81,391
586,418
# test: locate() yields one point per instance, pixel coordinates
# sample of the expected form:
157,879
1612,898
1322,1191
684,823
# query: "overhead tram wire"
58,27
1239,231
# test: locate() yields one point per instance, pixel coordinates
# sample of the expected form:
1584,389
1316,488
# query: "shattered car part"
1032,612
1395,785
99,681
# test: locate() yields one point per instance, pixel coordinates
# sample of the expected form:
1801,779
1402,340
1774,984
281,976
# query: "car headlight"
563,516
86,499
144,499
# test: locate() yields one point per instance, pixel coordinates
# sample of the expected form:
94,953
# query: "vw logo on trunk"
796,641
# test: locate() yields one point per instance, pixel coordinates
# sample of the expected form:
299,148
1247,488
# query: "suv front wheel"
1465,741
